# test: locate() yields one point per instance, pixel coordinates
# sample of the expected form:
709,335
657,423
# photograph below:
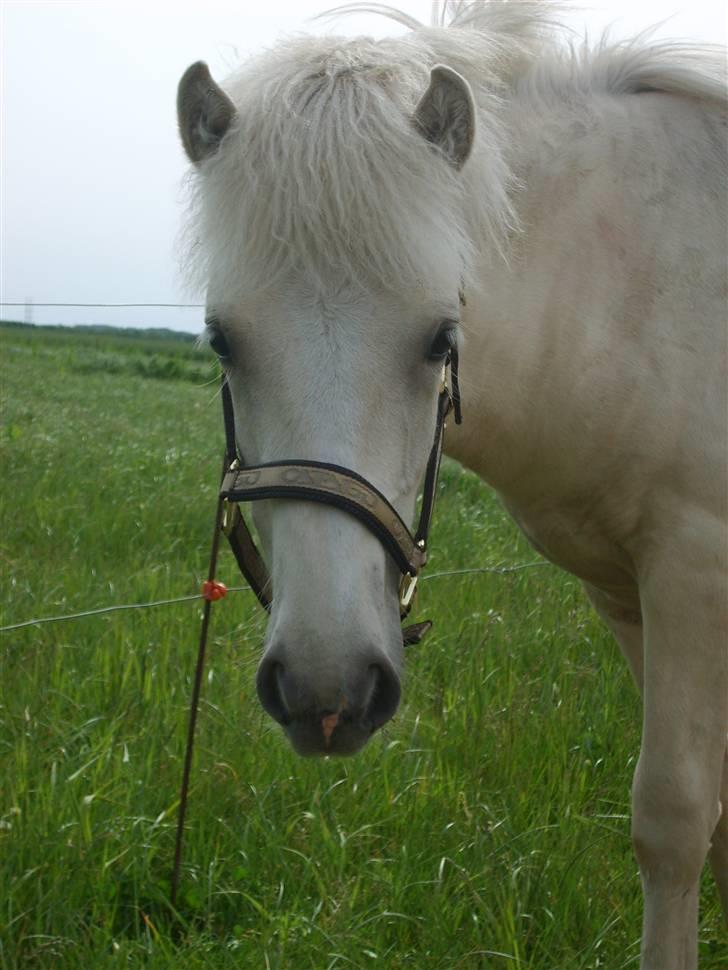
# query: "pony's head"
330,233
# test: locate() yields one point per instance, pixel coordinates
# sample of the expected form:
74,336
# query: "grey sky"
91,197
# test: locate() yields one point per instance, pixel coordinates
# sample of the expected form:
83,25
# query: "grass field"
487,826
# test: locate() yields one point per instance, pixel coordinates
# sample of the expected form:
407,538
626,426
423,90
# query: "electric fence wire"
500,570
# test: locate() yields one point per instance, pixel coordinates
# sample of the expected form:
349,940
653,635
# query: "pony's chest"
573,537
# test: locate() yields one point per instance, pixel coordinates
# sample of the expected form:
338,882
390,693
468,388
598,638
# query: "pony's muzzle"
324,714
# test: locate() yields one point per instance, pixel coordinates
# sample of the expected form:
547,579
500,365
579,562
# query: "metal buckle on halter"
408,584
228,518
443,382
445,387
228,511
407,590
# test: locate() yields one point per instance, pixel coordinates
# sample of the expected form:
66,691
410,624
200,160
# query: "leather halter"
317,481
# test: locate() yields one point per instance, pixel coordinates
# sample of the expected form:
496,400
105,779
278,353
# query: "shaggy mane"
324,172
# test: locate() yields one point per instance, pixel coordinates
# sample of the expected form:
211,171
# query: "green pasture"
486,827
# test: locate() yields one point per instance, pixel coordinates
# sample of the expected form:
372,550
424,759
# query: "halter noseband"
317,481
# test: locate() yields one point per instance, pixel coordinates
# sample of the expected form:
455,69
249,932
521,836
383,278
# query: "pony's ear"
204,112
446,114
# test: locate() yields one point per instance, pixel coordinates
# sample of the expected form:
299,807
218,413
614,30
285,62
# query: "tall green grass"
487,826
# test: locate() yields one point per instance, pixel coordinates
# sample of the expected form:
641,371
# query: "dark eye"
217,340
445,341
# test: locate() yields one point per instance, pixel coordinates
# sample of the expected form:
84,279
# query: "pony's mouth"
334,734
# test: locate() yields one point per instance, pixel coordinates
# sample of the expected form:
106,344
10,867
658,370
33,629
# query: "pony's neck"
550,335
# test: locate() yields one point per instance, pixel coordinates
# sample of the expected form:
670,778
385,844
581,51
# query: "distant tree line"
151,333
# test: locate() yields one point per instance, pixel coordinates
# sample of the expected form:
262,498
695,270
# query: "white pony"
345,191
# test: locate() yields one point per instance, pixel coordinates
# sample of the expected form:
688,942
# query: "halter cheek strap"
343,488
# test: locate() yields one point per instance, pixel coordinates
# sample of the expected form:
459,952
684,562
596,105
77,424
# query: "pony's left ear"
446,114
204,112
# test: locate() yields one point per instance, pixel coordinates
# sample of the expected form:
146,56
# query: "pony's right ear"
204,112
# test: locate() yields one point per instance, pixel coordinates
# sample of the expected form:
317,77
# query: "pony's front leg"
677,781
624,618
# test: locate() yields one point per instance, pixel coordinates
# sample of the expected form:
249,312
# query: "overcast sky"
91,163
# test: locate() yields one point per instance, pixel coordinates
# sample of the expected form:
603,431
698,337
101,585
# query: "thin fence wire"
175,306
239,589
110,609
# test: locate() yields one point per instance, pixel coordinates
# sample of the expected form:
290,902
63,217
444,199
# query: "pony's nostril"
335,709
384,695
268,684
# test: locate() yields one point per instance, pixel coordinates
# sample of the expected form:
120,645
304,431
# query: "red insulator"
212,590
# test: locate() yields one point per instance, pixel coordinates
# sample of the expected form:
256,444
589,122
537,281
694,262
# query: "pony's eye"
218,342
444,342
